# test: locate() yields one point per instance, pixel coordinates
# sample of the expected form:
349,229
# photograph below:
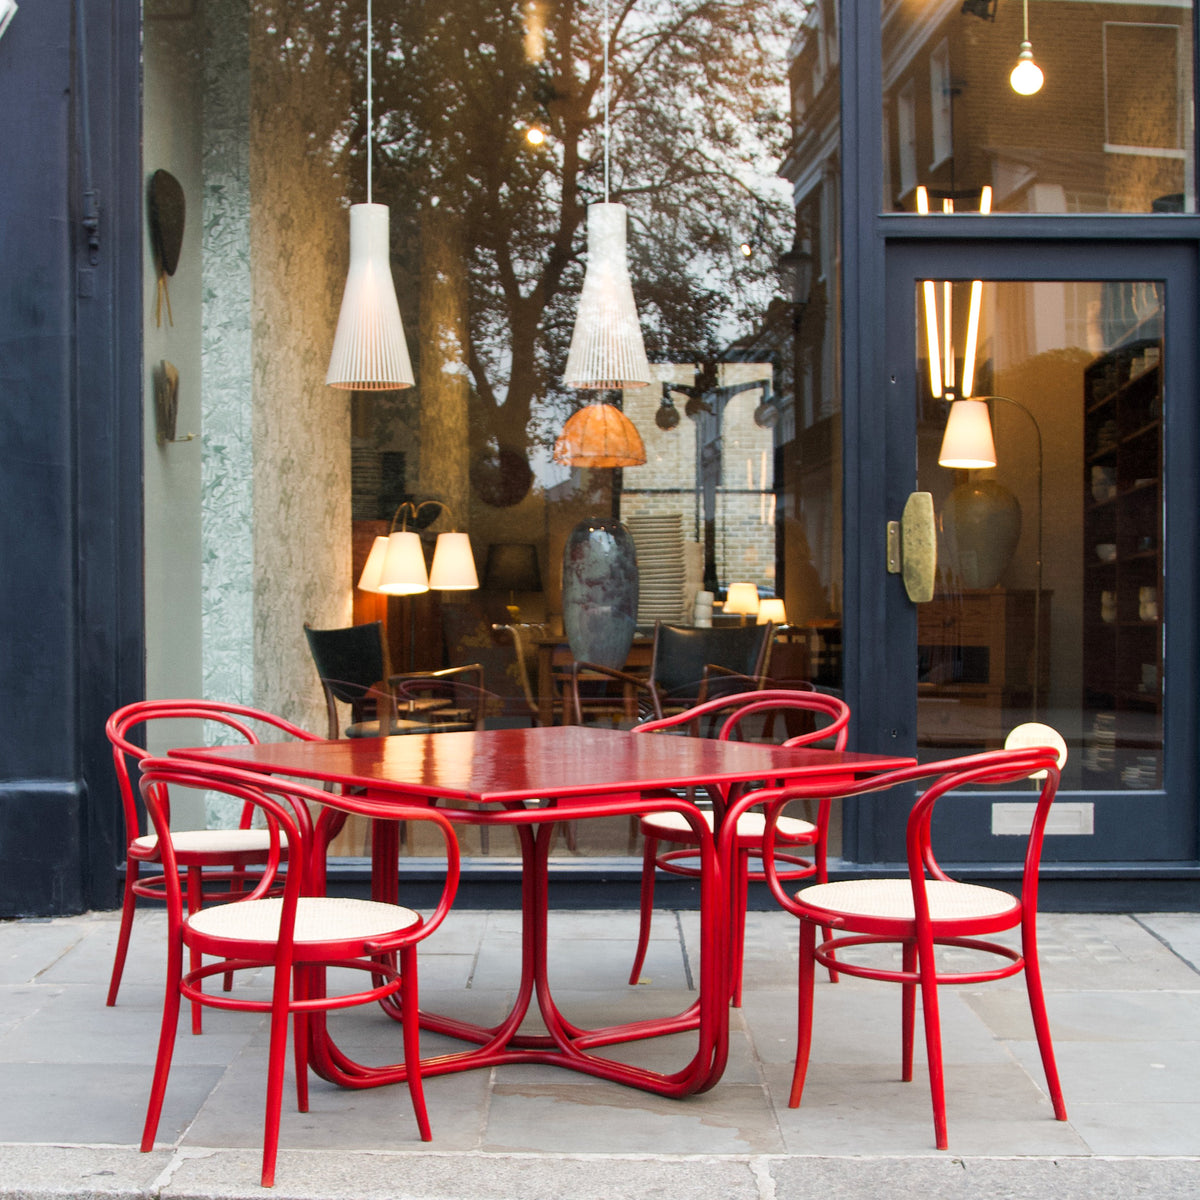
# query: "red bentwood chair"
197,851
771,709
297,933
927,910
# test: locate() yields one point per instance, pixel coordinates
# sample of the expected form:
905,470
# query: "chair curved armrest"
639,682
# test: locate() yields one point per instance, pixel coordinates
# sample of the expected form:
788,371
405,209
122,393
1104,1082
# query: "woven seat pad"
211,841
751,824
318,919
892,899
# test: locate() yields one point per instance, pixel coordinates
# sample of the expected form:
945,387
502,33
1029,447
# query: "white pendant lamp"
369,350
607,350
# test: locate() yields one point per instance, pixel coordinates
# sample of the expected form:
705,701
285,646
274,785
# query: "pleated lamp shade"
369,350
606,347
599,435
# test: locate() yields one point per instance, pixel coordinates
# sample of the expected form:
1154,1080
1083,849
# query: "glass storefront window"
488,146
1110,129
1049,598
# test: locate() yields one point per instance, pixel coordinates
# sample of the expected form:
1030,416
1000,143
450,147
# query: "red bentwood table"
568,773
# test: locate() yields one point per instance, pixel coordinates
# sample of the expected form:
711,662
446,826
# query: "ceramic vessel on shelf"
600,592
982,521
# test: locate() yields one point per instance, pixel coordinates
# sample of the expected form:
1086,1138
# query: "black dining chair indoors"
351,665
688,665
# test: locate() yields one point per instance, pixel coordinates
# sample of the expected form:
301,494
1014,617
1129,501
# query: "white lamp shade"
771,609
369,350
403,572
742,598
606,347
967,442
453,567
372,571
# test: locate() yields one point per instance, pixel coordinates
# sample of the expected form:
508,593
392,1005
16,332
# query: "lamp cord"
370,100
606,101
1025,9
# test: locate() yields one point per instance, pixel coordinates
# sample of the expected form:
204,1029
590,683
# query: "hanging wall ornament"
167,212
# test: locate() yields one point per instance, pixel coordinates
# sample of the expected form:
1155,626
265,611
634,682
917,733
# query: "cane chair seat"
210,841
924,912
319,920
763,712
892,899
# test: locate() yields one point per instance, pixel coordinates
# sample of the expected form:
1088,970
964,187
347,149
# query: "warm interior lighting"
396,563
771,609
453,568
1026,77
369,351
403,572
534,136
967,442
742,599
599,435
372,570
746,249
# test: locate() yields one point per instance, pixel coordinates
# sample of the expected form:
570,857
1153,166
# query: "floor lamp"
969,445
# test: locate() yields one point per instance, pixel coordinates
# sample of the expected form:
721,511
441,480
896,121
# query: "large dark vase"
600,592
982,520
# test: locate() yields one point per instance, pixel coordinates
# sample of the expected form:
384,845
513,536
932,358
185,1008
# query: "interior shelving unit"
1123,566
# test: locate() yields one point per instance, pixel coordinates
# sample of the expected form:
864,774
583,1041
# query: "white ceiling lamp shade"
369,350
607,350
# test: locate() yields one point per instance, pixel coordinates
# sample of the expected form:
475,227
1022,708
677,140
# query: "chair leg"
908,1009
166,1042
739,900
1041,1022
410,1026
649,854
237,885
300,1035
808,941
927,969
195,901
128,902
280,1011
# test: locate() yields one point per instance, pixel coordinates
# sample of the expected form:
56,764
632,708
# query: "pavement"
1124,1001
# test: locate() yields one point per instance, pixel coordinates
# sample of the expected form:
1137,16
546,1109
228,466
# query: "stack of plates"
662,579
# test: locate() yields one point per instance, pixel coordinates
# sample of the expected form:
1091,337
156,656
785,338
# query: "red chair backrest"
236,717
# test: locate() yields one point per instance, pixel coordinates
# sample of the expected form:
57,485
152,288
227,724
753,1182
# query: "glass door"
1048,420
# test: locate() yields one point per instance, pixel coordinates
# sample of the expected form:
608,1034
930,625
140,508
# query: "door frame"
883,254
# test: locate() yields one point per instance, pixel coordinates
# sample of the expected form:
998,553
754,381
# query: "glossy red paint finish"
578,772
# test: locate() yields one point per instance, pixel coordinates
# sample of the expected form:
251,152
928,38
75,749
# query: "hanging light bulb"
1026,77
369,350
607,350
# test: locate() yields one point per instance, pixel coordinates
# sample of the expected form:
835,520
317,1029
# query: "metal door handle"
912,547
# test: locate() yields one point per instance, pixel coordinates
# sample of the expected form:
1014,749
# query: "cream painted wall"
171,482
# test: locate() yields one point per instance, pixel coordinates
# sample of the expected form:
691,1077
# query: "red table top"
556,761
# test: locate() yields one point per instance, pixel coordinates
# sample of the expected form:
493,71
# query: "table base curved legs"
563,1044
